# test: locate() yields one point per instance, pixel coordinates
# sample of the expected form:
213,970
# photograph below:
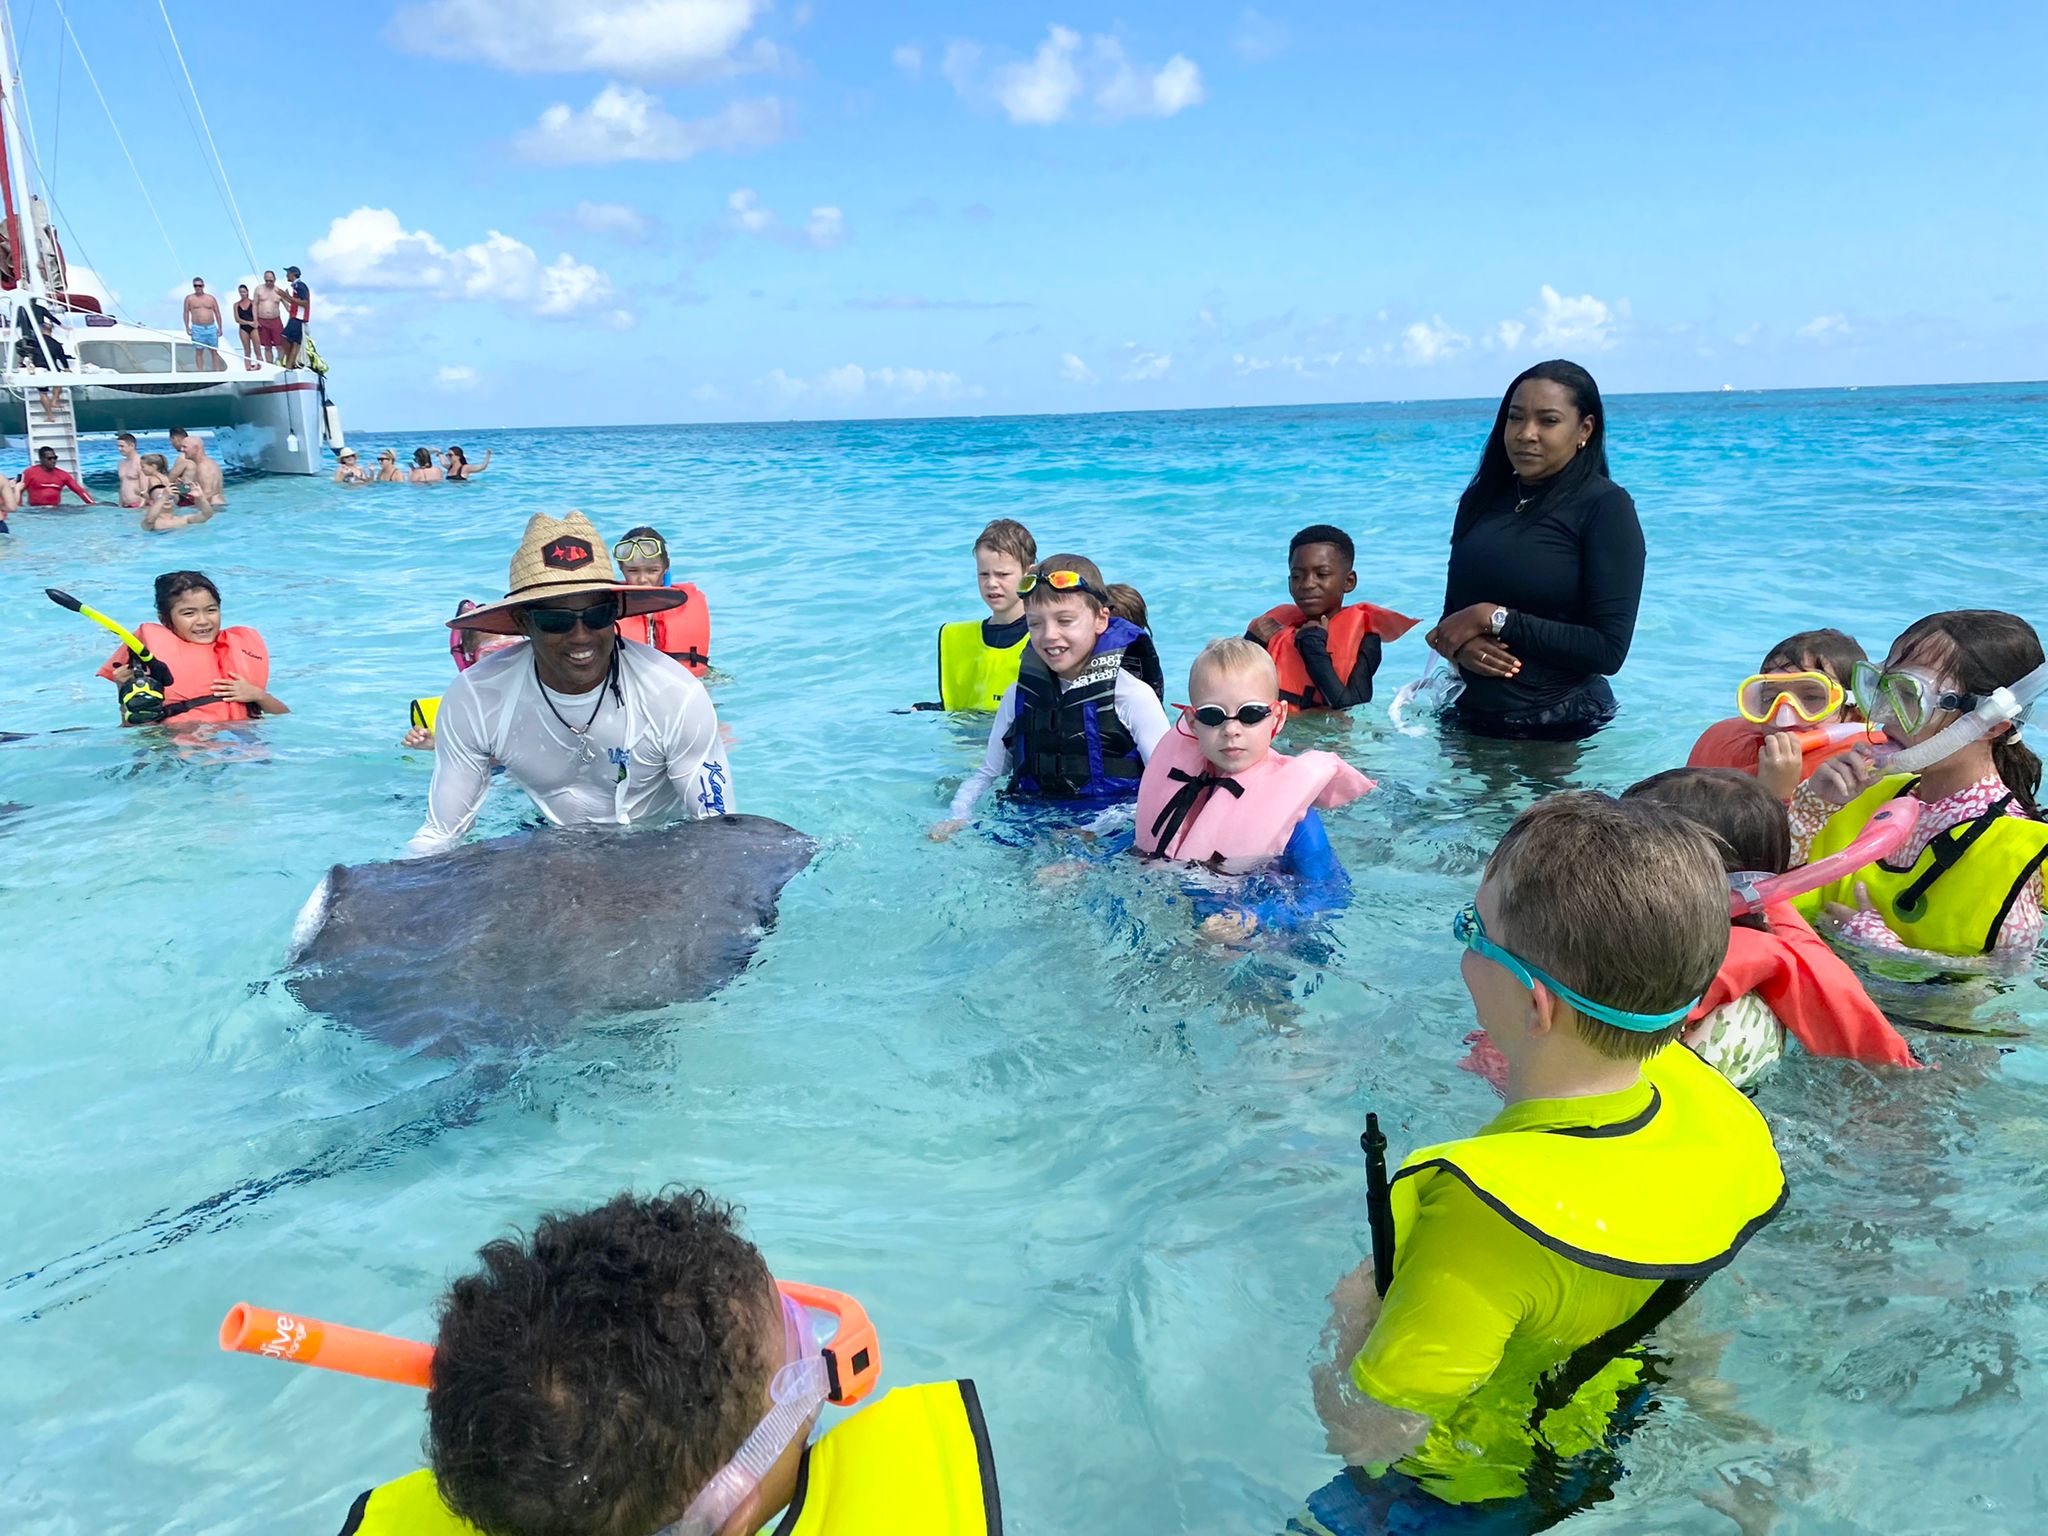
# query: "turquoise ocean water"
1054,1142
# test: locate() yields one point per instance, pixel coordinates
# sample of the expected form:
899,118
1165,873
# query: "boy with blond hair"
978,658
1217,794
1528,1260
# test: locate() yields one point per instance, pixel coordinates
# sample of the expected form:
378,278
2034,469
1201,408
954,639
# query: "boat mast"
28,268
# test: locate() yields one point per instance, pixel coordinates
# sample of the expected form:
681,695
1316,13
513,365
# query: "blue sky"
530,212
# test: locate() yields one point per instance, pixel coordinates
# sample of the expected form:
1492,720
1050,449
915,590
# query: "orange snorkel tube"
853,1357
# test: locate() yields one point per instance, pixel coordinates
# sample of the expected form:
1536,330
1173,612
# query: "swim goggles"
1060,581
1469,931
1213,715
1813,696
559,621
1910,697
627,550
843,1369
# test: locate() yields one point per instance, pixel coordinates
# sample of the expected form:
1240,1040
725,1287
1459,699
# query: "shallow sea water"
1053,1141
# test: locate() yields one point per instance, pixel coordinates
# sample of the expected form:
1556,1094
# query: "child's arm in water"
995,762
1304,882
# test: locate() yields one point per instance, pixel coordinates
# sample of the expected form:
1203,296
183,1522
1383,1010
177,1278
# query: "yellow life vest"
1955,897
973,675
1603,1198
916,1462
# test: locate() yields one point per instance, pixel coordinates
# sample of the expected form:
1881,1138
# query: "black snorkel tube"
1379,1204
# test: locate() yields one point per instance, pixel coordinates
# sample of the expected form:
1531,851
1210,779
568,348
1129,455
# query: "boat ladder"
58,430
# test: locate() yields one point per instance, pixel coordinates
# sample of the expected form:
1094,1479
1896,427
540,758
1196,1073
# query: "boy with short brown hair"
978,658
1528,1260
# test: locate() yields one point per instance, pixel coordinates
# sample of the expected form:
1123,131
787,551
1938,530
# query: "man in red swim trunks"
269,303
45,483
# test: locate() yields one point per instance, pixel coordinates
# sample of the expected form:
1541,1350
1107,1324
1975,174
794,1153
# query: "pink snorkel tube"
1749,891
463,660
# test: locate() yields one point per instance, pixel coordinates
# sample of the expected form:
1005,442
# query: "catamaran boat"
125,377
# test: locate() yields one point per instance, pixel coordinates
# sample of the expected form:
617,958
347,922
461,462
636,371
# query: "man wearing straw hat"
597,729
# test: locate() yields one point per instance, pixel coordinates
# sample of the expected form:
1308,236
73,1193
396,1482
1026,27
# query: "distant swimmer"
161,499
388,472
130,471
349,470
597,730
457,466
424,470
196,471
44,483
10,501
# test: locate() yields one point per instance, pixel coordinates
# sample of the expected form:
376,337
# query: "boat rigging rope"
234,208
147,200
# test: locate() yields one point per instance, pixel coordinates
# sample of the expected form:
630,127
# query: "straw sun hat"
563,557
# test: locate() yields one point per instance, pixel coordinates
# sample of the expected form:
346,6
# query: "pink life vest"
1234,833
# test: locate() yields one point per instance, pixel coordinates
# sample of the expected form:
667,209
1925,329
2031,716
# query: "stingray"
518,941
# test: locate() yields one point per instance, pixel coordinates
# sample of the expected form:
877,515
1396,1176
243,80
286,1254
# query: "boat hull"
276,421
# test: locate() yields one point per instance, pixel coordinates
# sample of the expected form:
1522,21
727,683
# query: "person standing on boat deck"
245,323
1546,570
202,324
45,484
298,305
596,729
197,472
269,303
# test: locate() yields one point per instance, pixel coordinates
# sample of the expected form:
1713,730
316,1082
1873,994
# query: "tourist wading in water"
595,728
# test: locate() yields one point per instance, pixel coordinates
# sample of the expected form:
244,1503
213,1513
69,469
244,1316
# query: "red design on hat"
567,554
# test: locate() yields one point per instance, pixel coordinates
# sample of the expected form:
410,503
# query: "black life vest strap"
1563,1383
1174,815
1948,849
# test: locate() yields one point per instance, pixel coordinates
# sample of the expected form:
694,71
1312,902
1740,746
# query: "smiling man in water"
597,729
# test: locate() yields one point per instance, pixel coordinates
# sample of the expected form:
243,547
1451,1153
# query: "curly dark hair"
591,1380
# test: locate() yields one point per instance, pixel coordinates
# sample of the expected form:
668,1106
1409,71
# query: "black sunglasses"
559,621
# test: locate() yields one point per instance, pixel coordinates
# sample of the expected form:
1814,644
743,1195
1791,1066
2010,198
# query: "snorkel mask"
1983,714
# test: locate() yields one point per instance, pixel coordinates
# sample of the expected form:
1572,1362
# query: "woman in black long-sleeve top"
1546,567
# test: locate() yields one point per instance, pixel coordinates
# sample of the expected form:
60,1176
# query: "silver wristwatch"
1497,621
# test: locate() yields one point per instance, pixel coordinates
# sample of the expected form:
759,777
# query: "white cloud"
909,58
370,248
1046,88
850,383
620,220
1432,342
1748,334
1304,364
1507,335
624,122
456,376
1581,322
1144,366
825,228
1258,37
640,39
1826,329
1074,371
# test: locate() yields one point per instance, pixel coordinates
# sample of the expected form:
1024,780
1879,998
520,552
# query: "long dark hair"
173,585
1985,649
1495,476
1747,821
460,457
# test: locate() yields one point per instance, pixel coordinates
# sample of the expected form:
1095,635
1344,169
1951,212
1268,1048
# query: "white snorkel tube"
1993,710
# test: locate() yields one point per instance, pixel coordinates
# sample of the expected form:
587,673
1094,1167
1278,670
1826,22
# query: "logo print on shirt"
567,554
711,789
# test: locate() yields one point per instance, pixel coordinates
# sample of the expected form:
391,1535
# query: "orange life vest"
236,650
1736,744
1806,984
683,633
1348,628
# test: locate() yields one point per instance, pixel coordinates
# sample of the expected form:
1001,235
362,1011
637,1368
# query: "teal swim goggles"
1469,931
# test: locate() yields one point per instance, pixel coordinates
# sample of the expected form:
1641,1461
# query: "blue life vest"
1069,743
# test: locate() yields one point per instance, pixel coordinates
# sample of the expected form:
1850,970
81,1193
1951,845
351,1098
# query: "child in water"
978,658
1080,722
635,1367
1215,793
1326,652
1530,1259
1779,975
681,634
1953,694
216,673
1793,713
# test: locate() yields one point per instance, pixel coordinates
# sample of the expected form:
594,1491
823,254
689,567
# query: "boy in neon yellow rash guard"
1530,1258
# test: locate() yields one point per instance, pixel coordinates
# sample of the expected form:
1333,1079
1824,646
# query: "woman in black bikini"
457,464
245,321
